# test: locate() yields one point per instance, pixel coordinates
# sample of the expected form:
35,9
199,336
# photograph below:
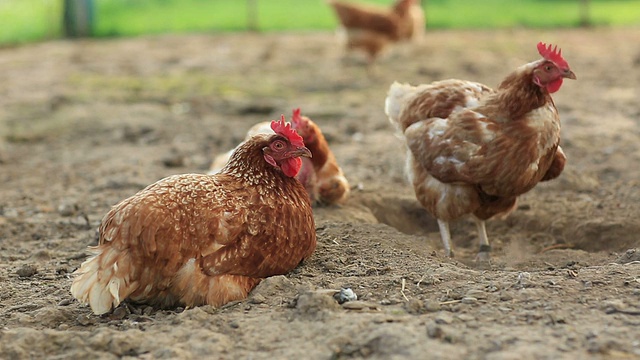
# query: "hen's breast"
523,153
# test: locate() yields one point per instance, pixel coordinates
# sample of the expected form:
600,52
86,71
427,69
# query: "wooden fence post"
78,18
252,15
585,19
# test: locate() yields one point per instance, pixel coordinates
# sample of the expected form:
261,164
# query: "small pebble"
344,295
432,306
444,318
469,300
465,317
257,299
434,331
119,313
360,305
27,270
67,209
84,320
65,302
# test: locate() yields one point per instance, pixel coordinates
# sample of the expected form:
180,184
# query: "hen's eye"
548,67
278,145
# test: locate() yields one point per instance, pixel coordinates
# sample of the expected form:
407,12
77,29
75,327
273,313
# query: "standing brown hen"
474,150
205,239
372,28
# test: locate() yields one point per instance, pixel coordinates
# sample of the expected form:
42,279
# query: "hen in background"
197,239
321,175
372,28
474,150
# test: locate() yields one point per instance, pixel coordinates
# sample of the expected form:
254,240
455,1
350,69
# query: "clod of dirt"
360,306
432,306
41,255
84,320
257,299
272,290
27,270
629,256
435,331
415,306
52,317
315,304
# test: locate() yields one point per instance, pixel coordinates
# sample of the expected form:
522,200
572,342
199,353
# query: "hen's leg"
445,234
485,248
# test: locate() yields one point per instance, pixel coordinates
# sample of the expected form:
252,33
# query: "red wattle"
290,167
554,86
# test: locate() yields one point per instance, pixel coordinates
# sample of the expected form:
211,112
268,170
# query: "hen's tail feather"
103,280
396,100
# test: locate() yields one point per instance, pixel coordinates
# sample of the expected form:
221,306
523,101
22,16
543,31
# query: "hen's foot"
484,255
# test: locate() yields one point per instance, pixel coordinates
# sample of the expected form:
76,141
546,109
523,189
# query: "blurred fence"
79,14
32,20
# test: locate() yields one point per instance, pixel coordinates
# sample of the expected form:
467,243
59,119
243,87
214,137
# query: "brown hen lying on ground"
198,239
321,175
474,150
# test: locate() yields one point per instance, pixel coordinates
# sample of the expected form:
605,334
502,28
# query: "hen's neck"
248,165
320,149
517,95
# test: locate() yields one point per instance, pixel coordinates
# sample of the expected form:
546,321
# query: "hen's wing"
446,147
443,132
557,165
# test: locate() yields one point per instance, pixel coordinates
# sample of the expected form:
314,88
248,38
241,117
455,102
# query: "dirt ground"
85,124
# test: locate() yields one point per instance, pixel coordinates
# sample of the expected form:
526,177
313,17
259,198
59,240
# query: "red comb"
284,129
554,55
296,118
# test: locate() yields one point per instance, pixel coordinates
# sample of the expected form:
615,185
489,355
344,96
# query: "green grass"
531,13
31,20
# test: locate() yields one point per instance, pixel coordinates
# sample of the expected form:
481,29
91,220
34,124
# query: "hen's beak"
301,151
569,74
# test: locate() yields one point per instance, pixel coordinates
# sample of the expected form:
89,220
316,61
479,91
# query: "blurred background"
37,20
